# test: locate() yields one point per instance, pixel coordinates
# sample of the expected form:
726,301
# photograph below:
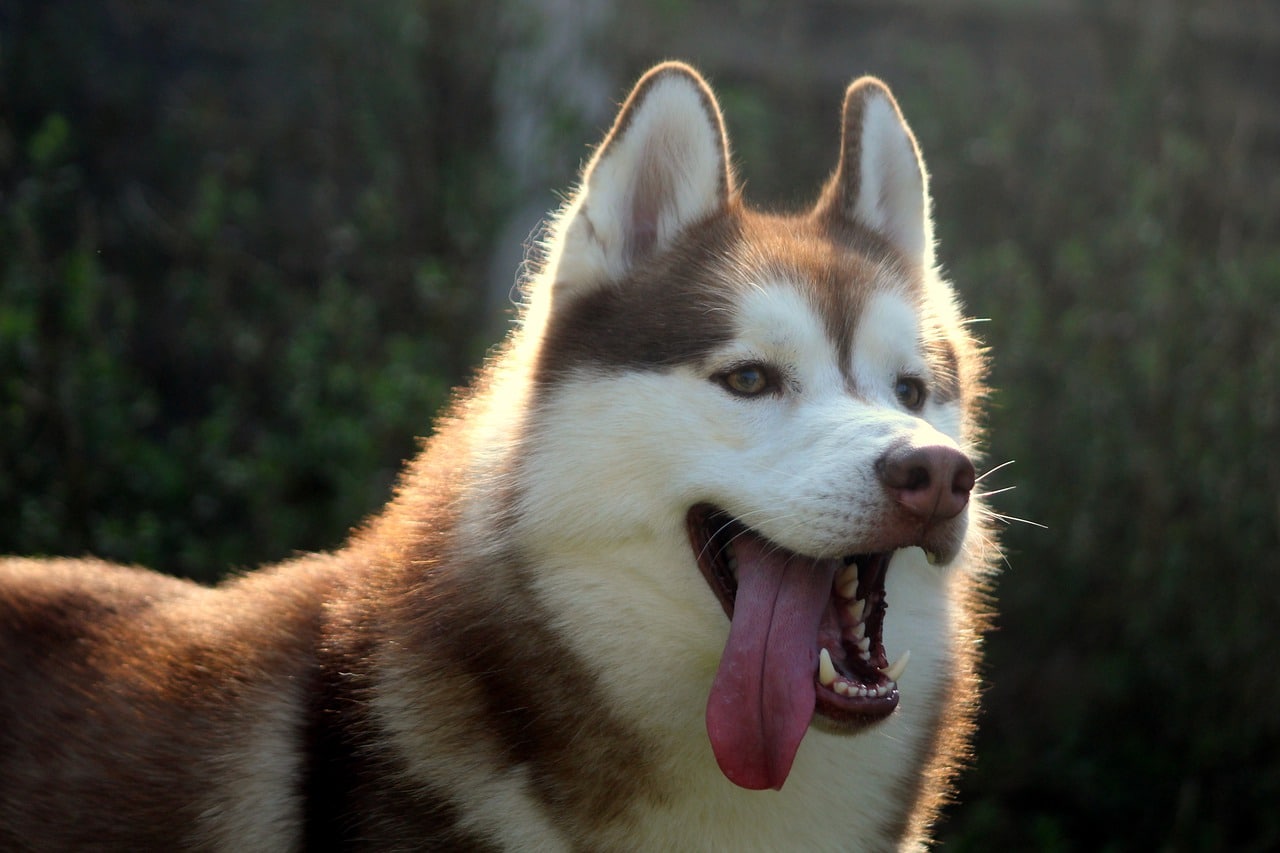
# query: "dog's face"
754,415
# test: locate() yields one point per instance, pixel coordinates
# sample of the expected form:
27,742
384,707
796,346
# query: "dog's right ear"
663,167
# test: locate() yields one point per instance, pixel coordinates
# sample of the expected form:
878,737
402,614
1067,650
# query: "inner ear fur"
880,182
663,166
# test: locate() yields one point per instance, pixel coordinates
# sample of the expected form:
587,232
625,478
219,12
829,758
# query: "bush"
231,269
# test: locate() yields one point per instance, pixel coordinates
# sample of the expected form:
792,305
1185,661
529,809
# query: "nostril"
917,477
904,468
932,482
965,476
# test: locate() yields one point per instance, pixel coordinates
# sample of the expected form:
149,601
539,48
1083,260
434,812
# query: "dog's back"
135,706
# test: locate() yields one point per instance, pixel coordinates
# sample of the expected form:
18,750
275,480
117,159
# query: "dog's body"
584,621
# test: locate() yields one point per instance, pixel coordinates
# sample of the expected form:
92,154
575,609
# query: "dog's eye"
749,380
911,392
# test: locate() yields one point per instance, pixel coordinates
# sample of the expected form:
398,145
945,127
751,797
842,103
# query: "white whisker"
994,492
990,471
999,516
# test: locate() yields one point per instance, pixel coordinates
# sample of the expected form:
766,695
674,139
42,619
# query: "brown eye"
910,392
749,380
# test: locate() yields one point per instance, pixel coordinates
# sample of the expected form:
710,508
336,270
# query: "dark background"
247,247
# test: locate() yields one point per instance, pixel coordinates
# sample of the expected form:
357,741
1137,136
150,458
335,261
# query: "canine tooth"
894,671
826,670
932,557
848,582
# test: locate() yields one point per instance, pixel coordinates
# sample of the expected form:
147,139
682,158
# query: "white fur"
255,801
889,337
498,804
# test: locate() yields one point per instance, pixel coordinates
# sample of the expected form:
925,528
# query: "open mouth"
806,636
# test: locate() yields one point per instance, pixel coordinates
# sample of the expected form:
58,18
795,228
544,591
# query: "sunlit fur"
516,653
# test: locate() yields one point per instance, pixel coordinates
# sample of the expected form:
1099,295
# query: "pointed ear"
880,182
663,167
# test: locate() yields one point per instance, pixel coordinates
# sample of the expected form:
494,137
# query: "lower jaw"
833,716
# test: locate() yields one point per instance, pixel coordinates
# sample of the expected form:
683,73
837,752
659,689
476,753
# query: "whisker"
745,528
999,516
990,471
994,492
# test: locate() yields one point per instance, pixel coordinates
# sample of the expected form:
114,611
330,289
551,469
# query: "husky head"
744,425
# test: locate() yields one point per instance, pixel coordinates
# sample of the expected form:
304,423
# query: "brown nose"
932,482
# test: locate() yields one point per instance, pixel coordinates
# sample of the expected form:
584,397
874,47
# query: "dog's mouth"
806,637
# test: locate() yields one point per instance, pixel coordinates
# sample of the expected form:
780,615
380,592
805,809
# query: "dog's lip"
865,687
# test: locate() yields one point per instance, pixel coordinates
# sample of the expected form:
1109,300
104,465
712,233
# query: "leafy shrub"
238,276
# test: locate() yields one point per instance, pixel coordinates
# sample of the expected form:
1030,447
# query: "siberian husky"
652,585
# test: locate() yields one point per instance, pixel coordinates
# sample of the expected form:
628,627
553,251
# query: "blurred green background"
247,248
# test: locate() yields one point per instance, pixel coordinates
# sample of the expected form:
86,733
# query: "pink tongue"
763,695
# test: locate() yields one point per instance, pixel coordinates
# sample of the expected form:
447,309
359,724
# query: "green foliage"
240,267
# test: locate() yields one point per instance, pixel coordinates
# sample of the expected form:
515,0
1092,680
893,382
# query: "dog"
651,585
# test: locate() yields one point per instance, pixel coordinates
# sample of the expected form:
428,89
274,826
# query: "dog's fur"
518,652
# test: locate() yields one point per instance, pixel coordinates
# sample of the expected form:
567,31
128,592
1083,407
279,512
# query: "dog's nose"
932,482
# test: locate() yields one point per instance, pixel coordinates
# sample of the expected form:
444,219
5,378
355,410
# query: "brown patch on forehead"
669,310
838,270
678,307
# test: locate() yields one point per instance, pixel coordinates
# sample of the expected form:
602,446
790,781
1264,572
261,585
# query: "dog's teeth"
826,670
856,610
859,631
847,585
933,557
864,648
894,671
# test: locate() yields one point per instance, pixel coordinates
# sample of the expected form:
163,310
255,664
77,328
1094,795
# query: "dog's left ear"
880,182
663,167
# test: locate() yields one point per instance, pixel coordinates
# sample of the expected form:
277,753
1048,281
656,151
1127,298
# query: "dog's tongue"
763,695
